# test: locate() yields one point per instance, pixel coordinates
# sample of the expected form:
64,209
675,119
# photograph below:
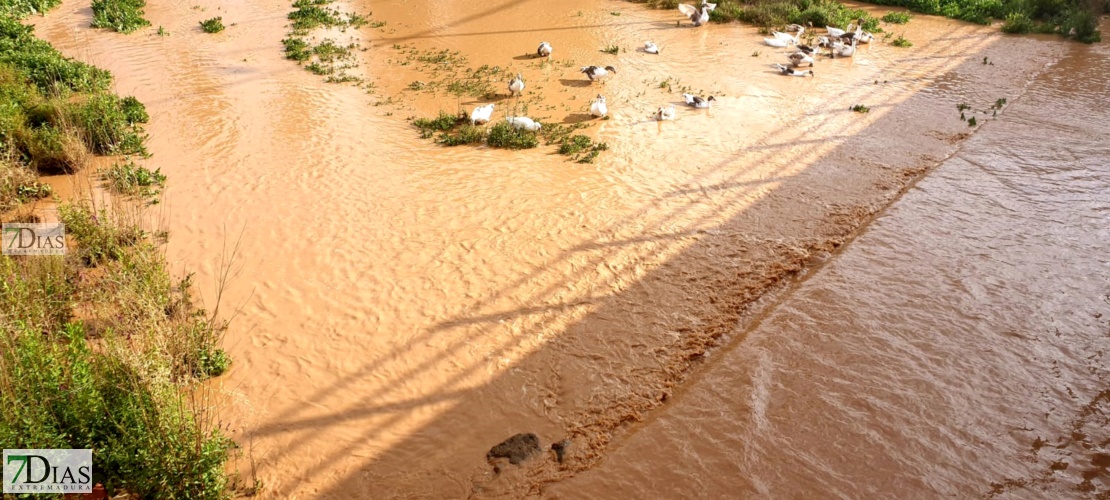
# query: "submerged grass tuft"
134,180
860,108
124,16
897,17
213,25
901,41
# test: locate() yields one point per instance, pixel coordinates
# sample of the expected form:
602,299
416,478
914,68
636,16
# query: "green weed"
135,180
213,25
897,17
124,16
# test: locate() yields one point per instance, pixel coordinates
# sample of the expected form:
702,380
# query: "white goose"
665,113
481,114
799,58
786,37
651,48
520,122
775,42
788,71
844,50
598,108
516,86
544,50
697,102
835,32
597,72
697,15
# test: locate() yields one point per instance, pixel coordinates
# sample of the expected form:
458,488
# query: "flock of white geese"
839,43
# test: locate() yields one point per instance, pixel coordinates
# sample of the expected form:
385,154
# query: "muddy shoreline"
472,294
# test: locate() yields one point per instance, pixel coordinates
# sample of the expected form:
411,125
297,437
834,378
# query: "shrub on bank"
99,348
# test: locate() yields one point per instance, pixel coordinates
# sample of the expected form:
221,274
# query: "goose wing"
687,10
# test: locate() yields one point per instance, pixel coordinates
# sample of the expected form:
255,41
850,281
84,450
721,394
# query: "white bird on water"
481,114
544,50
651,48
697,102
788,71
697,15
598,72
665,113
598,107
520,122
516,86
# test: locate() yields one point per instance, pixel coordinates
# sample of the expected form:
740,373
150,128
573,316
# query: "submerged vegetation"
124,16
1076,19
214,25
328,57
456,130
100,348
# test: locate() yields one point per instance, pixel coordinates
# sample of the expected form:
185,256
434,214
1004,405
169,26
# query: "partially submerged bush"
124,16
897,17
466,134
131,179
503,135
214,25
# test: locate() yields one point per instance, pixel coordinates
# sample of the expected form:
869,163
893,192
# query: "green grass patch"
897,17
503,135
124,16
901,41
213,25
612,49
131,179
860,108
466,134
581,148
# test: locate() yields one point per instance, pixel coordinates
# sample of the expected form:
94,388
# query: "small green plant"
581,148
859,108
214,25
162,31
503,135
134,180
417,85
612,49
124,16
614,13
999,103
466,134
297,49
755,54
442,123
901,41
971,122
897,17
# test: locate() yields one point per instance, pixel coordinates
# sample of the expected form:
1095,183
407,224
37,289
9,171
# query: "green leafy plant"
213,25
135,180
859,108
901,41
612,49
503,135
124,16
897,17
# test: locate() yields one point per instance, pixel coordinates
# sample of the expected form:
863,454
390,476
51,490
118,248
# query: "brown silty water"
403,306
956,349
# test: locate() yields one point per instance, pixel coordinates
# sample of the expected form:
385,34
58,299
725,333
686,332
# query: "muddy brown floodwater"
404,307
958,348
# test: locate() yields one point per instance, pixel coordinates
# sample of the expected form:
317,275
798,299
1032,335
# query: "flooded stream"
958,348
402,306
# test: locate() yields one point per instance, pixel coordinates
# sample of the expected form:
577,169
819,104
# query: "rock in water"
560,449
517,448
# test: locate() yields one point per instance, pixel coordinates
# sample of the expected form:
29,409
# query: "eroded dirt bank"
406,306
